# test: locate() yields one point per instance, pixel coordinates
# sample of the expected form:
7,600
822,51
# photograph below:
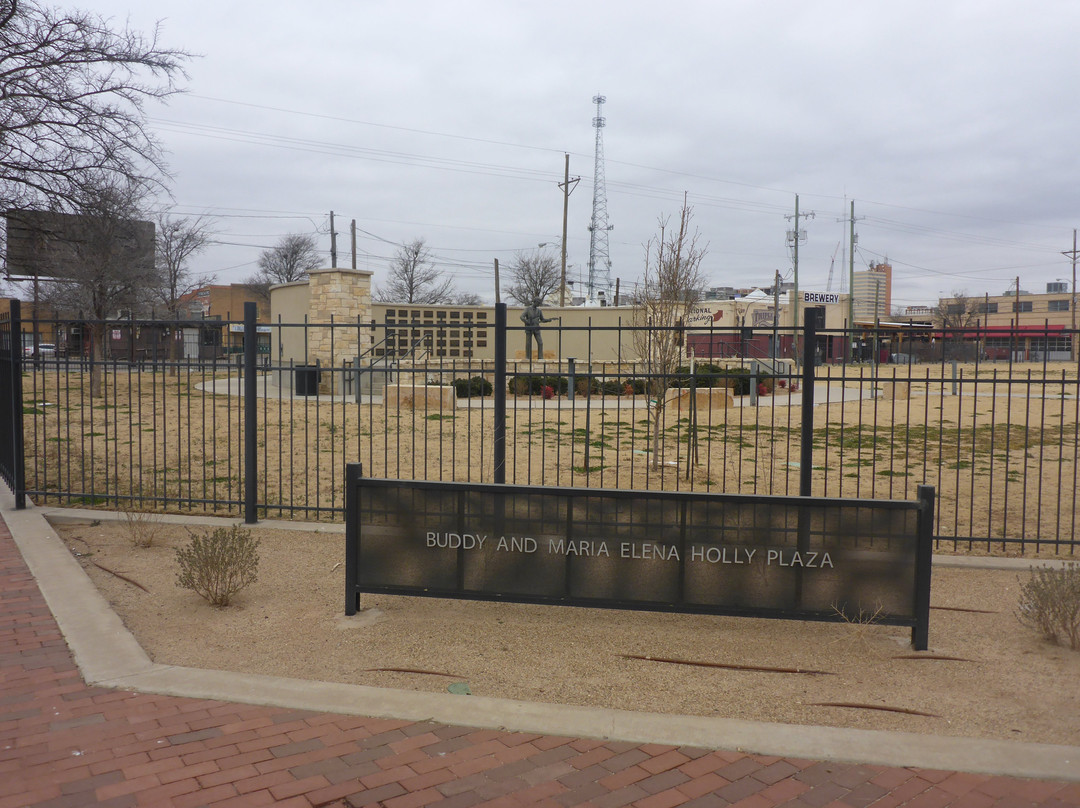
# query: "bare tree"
290,260
955,315
958,311
466,299
533,275
177,240
113,262
670,287
414,278
73,91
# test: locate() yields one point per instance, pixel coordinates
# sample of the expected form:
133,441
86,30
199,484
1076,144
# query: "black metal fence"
12,467
264,425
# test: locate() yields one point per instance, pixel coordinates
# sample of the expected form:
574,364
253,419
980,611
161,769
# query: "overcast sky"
953,126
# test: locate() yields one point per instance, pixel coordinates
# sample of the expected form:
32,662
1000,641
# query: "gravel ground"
984,676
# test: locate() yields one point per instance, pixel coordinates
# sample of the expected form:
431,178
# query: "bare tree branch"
112,266
414,278
72,96
290,260
533,275
178,239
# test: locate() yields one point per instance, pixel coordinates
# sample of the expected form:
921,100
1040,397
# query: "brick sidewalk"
66,745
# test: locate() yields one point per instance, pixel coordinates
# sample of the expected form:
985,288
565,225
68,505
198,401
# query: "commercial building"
1018,325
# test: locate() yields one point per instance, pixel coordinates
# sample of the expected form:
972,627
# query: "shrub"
476,386
560,384
142,528
217,565
534,385
1050,603
586,386
710,375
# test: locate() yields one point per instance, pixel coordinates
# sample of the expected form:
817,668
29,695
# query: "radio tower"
599,256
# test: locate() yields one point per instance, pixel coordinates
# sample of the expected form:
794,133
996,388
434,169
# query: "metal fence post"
251,475
353,474
806,455
13,464
920,632
499,432
806,448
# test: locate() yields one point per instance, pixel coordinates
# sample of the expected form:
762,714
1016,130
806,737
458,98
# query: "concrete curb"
108,655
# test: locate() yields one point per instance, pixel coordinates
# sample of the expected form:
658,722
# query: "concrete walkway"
118,730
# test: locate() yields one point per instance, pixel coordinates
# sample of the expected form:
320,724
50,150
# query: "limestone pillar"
341,296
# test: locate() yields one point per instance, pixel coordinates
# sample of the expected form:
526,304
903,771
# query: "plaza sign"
799,558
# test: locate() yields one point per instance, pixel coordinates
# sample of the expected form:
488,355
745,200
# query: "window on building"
1060,345
955,308
1022,306
988,308
1057,305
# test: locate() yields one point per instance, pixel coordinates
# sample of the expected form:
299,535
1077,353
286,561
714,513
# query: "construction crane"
832,263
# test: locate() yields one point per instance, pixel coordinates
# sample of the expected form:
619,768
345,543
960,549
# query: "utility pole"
877,322
1016,308
333,242
794,237
776,315
1072,304
851,277
567,186
352,230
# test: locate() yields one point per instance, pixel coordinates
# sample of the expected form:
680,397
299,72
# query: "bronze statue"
532,317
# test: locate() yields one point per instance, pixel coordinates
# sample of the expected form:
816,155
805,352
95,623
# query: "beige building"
443,333
1025,326
368,333
872,291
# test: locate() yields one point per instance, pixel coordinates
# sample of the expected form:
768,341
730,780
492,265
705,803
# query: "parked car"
44,349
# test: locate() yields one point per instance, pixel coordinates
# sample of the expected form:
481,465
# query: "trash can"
307,380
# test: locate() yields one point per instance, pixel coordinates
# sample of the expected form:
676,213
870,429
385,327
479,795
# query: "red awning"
1002,331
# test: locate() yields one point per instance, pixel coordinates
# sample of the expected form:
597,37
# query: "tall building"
872,291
